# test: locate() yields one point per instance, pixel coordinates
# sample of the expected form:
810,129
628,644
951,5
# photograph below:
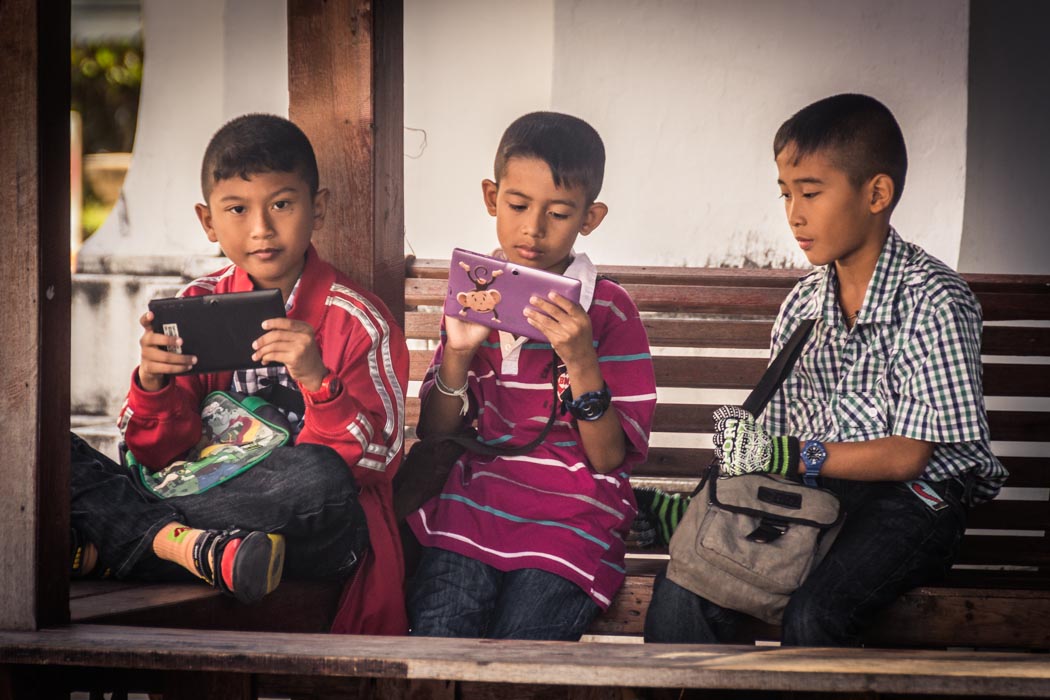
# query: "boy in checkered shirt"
884,406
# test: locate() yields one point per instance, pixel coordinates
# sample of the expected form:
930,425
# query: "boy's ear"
320,208
490,191
595,215
204,216
880,191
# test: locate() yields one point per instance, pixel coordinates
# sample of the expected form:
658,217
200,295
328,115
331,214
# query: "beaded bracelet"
460,392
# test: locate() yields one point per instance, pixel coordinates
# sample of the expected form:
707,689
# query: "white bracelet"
460,392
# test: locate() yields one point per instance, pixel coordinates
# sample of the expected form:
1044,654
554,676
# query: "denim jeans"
305,492
452,595
890,542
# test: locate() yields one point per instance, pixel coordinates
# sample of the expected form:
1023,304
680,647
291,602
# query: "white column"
205,62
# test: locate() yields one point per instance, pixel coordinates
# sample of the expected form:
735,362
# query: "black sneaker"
256,564
78,555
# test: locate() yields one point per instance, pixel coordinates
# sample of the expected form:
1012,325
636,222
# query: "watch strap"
330,387
813,465
579,407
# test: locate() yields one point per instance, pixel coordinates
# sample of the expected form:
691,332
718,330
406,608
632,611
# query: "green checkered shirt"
911,366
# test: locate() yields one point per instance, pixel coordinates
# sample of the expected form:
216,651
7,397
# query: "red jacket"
359,341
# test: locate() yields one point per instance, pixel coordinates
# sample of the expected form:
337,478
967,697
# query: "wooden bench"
231,665
709,330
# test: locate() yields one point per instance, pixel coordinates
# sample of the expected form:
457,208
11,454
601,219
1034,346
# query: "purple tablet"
494,292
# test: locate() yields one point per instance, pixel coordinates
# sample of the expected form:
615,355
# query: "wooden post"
34,316
346,87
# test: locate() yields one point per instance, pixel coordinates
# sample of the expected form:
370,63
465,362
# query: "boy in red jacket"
336,367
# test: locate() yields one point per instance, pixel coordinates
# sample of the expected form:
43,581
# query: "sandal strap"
208,551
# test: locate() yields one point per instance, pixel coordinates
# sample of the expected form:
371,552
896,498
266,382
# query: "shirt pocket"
861,417
810,413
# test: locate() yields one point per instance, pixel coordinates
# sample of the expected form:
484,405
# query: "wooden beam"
346,87
34,354
596,664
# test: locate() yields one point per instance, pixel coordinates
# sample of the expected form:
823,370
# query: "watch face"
590,408
814,452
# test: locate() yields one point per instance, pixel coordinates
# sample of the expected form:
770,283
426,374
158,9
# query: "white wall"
471,67
687,96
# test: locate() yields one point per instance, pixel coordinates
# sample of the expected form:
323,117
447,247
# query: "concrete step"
98,431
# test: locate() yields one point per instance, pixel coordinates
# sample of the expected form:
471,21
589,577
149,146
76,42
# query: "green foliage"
93,216
106,79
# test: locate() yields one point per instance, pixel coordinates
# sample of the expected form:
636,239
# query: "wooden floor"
950,673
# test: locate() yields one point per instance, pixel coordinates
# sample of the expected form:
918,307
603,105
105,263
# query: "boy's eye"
785,195
236,209
559,215
282,204
810,195
517,207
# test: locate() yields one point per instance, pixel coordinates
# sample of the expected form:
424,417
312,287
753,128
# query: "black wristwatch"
590,406
813,456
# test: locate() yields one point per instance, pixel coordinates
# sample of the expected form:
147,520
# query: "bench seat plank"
925,616
295,606
567,663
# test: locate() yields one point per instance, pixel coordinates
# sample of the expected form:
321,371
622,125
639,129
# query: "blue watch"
813,456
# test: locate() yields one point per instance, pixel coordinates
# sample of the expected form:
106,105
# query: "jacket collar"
314,282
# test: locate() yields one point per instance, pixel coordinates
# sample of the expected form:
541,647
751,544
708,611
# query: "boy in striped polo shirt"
532,547
884,406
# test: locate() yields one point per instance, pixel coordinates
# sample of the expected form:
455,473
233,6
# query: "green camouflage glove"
744,448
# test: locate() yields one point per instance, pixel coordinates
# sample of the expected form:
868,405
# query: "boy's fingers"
552,305
161,355
282,323
566,305
289,338
159,340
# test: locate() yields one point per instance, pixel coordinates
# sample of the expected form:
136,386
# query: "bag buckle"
768,531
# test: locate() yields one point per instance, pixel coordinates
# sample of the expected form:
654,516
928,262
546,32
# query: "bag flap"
254,406
763,495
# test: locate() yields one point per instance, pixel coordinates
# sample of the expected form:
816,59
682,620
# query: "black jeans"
890,542
305,493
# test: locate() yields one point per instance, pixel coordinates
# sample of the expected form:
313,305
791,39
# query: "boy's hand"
464,337
156,362
745,448
291,343
566,326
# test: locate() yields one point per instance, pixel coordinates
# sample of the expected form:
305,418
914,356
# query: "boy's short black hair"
568,145
856,132
258,143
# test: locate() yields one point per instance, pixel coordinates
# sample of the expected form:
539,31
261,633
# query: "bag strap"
472,443
769,384
778,369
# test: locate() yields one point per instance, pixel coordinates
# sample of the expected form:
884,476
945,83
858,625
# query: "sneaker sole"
258,566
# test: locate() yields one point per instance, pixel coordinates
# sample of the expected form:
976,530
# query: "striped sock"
662,509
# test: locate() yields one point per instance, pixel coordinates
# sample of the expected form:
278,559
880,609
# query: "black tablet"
218,328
